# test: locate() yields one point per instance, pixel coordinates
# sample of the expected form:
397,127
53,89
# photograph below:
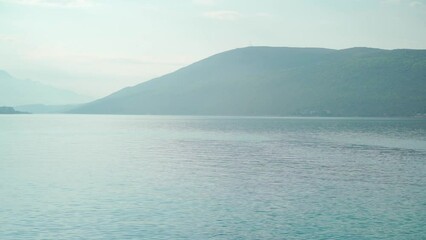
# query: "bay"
182,177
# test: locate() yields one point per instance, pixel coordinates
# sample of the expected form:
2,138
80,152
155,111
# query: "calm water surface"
148,177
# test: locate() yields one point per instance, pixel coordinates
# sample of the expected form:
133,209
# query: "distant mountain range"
10,110
280,81
46,109
16,92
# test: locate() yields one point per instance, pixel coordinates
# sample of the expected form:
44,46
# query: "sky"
96,47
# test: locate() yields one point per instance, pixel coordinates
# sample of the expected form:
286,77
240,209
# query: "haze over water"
152,177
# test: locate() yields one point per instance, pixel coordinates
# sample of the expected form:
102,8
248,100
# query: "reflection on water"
134,177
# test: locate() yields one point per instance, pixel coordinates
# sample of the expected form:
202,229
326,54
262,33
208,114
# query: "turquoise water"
148,177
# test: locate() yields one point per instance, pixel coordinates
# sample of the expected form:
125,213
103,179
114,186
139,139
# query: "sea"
186,177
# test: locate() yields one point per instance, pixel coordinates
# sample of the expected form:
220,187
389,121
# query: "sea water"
165,177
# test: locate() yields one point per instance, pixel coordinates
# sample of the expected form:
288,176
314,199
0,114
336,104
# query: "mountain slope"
46,109
280,82
14,92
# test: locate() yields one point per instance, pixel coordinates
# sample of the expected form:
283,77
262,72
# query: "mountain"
14,92
10,110
46,109
279,81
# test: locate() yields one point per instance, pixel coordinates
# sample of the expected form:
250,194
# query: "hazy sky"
95,47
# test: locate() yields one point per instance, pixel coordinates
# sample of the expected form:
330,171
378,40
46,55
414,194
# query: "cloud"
392,1
7,38
205,2
263,14
411,3
52,3
147,60
223,15
63,55
416,4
